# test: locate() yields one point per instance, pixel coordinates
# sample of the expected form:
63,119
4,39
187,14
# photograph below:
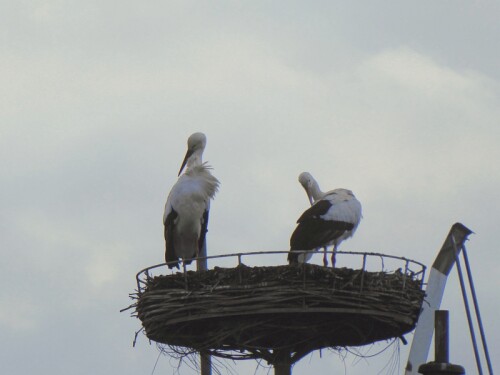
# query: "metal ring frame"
419,274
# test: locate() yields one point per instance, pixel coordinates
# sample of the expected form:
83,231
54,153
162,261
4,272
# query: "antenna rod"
467,308
476,307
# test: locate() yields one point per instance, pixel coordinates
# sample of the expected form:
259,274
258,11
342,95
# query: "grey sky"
398,102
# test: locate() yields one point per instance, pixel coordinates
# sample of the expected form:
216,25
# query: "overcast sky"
397,101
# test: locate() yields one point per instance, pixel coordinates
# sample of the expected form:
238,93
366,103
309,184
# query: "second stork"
333,217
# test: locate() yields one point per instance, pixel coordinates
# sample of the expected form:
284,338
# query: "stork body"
333,217
188,204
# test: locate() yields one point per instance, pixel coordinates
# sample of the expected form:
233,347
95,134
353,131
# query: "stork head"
309,184
196,144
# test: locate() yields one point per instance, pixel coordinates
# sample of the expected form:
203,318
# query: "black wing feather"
314,233
316,210
170,255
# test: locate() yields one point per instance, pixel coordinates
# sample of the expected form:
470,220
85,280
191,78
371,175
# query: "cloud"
18,315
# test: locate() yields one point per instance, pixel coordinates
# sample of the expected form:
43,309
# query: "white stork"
333,217
188,204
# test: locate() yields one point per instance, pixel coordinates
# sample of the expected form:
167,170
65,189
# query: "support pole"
206,364
467,309
441,365
282,369
478,313
283,363
441,343
205,359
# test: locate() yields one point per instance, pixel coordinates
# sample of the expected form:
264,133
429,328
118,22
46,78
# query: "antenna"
467,310
446,258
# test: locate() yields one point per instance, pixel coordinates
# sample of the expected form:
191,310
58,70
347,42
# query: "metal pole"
283,365
434,294
467,309
478,314
282,369
205,359
206,364
440,365
441,343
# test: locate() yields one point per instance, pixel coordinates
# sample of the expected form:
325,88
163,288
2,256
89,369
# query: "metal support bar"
283,365
363,273
476,308
467,308
405,274
185,275
441,365
202,265
206,364
282,369
441,343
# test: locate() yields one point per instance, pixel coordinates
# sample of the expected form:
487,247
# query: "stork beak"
186,158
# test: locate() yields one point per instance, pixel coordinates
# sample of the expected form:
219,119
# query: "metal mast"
434,294
447,257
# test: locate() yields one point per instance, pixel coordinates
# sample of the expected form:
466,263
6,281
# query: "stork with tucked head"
188,204
333,217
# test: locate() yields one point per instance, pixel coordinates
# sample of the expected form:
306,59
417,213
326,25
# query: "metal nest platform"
266,312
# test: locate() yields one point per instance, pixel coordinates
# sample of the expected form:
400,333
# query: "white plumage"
333,217
188,204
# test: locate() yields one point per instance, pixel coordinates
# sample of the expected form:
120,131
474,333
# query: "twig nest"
253,312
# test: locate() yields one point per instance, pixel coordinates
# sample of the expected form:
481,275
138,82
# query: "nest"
260,312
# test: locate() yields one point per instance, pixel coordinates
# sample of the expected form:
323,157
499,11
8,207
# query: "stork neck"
315,191
195,159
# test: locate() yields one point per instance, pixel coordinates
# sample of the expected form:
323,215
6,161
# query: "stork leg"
325,259
333,255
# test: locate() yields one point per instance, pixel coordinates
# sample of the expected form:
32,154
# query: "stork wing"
318,209
317,228
170,255
203,232
316,232
345,207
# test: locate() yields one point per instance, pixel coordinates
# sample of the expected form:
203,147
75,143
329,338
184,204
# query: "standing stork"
333,217
188,204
